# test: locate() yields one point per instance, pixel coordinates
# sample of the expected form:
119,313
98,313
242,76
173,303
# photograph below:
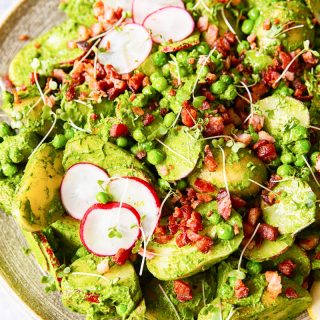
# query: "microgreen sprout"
175,62
224,170
113,232
283,30
73,125
310,169
229,24
170,302
260,185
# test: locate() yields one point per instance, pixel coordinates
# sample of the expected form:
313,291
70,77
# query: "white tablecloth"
10,309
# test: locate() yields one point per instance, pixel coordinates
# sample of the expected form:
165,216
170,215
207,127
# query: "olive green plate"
20,273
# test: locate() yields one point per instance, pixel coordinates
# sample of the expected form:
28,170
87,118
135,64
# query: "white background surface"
10,309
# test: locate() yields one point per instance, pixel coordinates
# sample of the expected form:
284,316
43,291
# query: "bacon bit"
59,75
224,204
248,229
214,127
119,130
182,239
191,61
141,154
121,256
203,197
240,289
209,161
265,150
267,24
244,138
96,29
317,166
71,93
148,119
24,37
204,186
211,35
268,197
291,293
203,24
135,82
308,57
268,232
309,243
251,38
236,229
172,92
266,136
145,82
195,222
37,45
237,202
98,9
204,244
137,111
317,256
257,122
182,290
193,236
287,267
50,101
253,216
188,115
274,283
84,33
92,297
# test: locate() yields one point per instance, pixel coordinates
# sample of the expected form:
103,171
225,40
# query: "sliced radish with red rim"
142,8
126,5
126,47
80,186
170,23
140,195
106,228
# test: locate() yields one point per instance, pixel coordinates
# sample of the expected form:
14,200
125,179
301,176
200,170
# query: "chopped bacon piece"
59,75
317,256
121,256
203,24
92,297
148,119
188,115
268,232
214,127
204,186
291,293
240,289
274,283
253,216
237,202
141,154
209,161
317,166
182,290
71,93
266,136
204,244
182,239
173,225
257,122
203,197
248,229
287,267
309,243
224,204
193,236
244,138
135,82
195,222
308,57
267,24
119,130
211,35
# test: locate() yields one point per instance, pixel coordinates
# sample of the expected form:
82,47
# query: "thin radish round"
106,228
80,186
170,23
126,47
142,8
126,5
140,195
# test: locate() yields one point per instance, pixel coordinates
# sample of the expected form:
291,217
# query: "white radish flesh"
101,219
79,188
142,8
170,23
126,47
126,5
140,195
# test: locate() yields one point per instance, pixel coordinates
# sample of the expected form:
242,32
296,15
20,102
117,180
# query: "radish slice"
80,186
142,8
106,228
140,195
170,23
127,47
126,5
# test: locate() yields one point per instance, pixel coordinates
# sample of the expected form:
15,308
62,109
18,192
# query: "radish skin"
80,186
100,219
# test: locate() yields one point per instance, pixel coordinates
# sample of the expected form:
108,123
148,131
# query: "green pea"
140,100
317,69
253,14
7,97
198,101
69,133
135,149
190,6
232,281
299,161
301,146
160,83
169,119
9,169
138,135
203,71
226,291
214,218
203,48
149,91
147,146
155,76
285,91
103,197
287,158
218,87
15,155
155,156
314,157
5,130
226,79
253,267
298,132
182,57
225,231
122,142
59,141
160,59
121,309
243,46
181,184
247,26
164,184
166,70
285,170
231,93
183,71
